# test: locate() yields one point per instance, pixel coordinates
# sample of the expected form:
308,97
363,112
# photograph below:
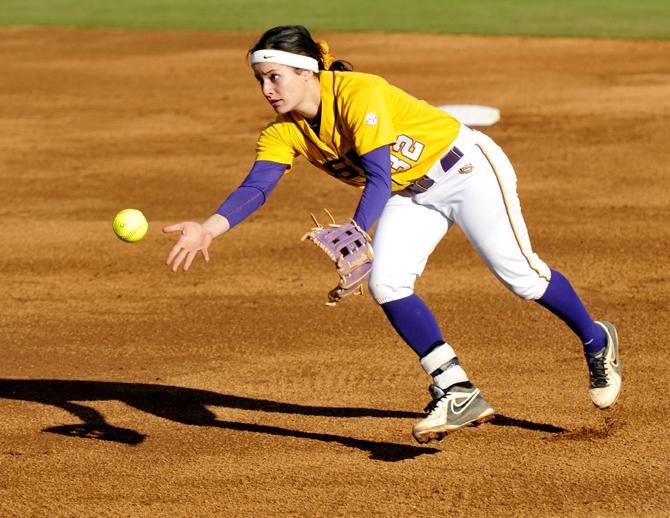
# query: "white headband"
284,58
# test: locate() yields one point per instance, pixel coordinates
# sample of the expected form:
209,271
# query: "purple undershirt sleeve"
252,192
377,165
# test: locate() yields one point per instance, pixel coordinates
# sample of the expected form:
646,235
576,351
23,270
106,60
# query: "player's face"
284,87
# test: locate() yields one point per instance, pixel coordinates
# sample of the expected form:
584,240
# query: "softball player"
420,171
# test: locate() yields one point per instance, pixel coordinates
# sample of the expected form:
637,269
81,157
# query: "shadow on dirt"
189,406
501,420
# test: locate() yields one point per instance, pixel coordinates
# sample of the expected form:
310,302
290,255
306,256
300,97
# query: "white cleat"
605,370
459,406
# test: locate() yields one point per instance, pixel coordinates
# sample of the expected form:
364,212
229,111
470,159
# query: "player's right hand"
194,238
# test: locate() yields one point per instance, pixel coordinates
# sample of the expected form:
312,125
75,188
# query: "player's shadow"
501,420
189,406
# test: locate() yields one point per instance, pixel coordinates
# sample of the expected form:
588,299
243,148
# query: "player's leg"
407,233
493,222
599,339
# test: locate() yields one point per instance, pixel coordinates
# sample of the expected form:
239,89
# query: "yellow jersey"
361,112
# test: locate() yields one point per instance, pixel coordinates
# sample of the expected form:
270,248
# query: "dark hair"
297,40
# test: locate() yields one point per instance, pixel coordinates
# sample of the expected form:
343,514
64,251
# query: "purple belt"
448,161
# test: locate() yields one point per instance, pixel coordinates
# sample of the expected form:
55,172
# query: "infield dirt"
232,390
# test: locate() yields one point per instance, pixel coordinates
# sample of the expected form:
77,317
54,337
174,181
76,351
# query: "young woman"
420,171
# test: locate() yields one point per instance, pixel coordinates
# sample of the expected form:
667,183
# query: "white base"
472,114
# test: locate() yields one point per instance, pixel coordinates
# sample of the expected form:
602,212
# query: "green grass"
645,19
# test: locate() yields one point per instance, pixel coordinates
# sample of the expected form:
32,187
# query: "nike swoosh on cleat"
613,358
458,408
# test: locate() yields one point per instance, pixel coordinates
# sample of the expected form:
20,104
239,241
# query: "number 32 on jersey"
409,149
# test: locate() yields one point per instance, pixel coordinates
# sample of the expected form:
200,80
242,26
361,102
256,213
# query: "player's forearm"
253,191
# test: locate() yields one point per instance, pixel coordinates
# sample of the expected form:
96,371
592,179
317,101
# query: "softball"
130,225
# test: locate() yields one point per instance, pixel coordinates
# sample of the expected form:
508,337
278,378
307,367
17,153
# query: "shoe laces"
597,369
434,404
442,396
437,394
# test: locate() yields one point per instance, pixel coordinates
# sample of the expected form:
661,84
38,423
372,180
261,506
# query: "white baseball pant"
478,194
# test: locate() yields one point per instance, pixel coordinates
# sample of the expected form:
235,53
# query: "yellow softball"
130,225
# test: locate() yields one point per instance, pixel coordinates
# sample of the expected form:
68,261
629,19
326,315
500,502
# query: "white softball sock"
442,364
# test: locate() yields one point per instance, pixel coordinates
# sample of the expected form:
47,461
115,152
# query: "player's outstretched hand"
194,238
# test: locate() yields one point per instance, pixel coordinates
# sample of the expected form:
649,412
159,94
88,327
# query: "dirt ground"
127,390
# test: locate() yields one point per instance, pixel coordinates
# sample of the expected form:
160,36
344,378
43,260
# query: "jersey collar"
328,137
